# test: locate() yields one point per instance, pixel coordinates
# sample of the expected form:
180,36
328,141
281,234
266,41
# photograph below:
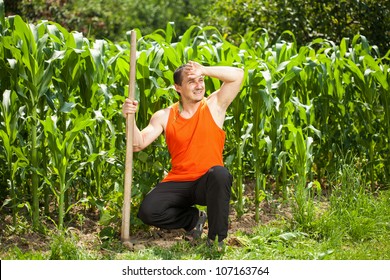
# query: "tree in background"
111,19
11,6
307,19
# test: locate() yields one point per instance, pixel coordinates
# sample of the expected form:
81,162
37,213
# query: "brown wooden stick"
125,231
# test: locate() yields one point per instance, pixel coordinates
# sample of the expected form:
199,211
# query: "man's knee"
222,174
220,181
145,213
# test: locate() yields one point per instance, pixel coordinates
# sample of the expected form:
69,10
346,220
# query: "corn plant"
260,89
302,158
14,154
298,112
61,146
31,83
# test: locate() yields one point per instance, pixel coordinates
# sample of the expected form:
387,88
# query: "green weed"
354,213
64,246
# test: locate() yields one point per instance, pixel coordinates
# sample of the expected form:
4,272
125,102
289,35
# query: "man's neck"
188,109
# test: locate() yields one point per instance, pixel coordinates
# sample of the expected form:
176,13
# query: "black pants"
170,205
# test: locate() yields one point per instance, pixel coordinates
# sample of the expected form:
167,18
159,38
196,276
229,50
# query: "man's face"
191,89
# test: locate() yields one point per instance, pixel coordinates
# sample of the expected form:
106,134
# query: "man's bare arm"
156,126
230,76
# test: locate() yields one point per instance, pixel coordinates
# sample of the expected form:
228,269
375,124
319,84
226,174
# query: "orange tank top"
195,144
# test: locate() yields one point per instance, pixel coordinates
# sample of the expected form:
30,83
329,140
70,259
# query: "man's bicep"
227,93
153,130
150,133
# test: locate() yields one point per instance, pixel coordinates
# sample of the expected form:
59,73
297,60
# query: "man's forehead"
186,78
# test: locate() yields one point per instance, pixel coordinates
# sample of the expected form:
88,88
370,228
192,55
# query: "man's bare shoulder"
162,113
161,116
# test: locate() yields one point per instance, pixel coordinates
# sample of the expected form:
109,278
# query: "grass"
352,224
267,242
336,235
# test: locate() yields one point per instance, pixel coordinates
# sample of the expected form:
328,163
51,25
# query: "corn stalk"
61,146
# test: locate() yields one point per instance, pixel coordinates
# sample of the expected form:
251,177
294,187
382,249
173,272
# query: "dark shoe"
198,229
215,244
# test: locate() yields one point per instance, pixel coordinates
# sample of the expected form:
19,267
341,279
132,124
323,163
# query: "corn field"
62,133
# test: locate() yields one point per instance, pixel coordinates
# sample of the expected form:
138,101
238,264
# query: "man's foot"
219,245
196,233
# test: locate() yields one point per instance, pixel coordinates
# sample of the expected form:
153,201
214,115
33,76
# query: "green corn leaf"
78,40
2,15
300,147
6,101
356,71
292,73
6,143
67,107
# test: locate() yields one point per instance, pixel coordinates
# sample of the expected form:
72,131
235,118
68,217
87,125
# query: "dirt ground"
88,233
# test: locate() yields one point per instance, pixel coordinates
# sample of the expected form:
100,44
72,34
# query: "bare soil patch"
88,237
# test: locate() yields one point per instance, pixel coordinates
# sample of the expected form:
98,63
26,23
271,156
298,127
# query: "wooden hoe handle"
125,231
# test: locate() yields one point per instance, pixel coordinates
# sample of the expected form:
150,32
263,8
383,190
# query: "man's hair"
177,75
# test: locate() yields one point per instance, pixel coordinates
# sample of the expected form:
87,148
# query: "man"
195,140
